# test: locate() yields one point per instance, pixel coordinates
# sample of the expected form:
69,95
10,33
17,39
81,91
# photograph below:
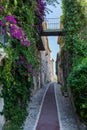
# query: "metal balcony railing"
51,27
53,23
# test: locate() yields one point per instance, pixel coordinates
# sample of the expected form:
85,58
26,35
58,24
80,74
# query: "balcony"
51,27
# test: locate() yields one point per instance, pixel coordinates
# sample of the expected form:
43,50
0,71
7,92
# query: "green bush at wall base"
77,80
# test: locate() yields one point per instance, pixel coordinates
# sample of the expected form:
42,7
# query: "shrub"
77,81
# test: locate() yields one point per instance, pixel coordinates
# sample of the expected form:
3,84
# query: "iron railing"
53,23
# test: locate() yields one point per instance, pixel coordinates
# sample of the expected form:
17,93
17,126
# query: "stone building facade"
62,61
59,66
47,63
59,69
45,73
52,70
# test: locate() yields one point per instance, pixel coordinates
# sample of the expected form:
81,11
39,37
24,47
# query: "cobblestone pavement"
66,114
33,109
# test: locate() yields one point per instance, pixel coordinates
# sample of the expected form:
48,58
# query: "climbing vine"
75,44
21,27
74,21
20,24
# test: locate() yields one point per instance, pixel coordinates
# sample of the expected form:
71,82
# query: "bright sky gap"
56,13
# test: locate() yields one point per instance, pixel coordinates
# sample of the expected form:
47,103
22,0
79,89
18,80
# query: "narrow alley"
48,119
52,112
43,64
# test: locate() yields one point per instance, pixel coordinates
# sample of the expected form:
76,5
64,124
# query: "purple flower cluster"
21,60
10,18
28,67
2,24
41,8
15,31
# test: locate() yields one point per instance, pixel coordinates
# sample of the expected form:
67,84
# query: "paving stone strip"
67,118
33,108
66,115
48,119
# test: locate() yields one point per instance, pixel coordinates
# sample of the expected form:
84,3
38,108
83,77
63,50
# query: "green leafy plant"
74,51
77,81
22,59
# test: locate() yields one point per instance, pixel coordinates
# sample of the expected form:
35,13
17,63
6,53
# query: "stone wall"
59,69
2,119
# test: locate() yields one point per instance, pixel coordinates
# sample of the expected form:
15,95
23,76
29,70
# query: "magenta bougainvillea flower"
15,31
28,66
10,18
40,13
41,8
1,23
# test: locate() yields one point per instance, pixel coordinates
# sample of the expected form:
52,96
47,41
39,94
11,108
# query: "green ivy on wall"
21,60
75,44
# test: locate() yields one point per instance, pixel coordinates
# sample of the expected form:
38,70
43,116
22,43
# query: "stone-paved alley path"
48,119
50,110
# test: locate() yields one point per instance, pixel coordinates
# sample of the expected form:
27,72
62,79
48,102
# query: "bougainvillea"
41,8
40,13
22,21
15,31
19,22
